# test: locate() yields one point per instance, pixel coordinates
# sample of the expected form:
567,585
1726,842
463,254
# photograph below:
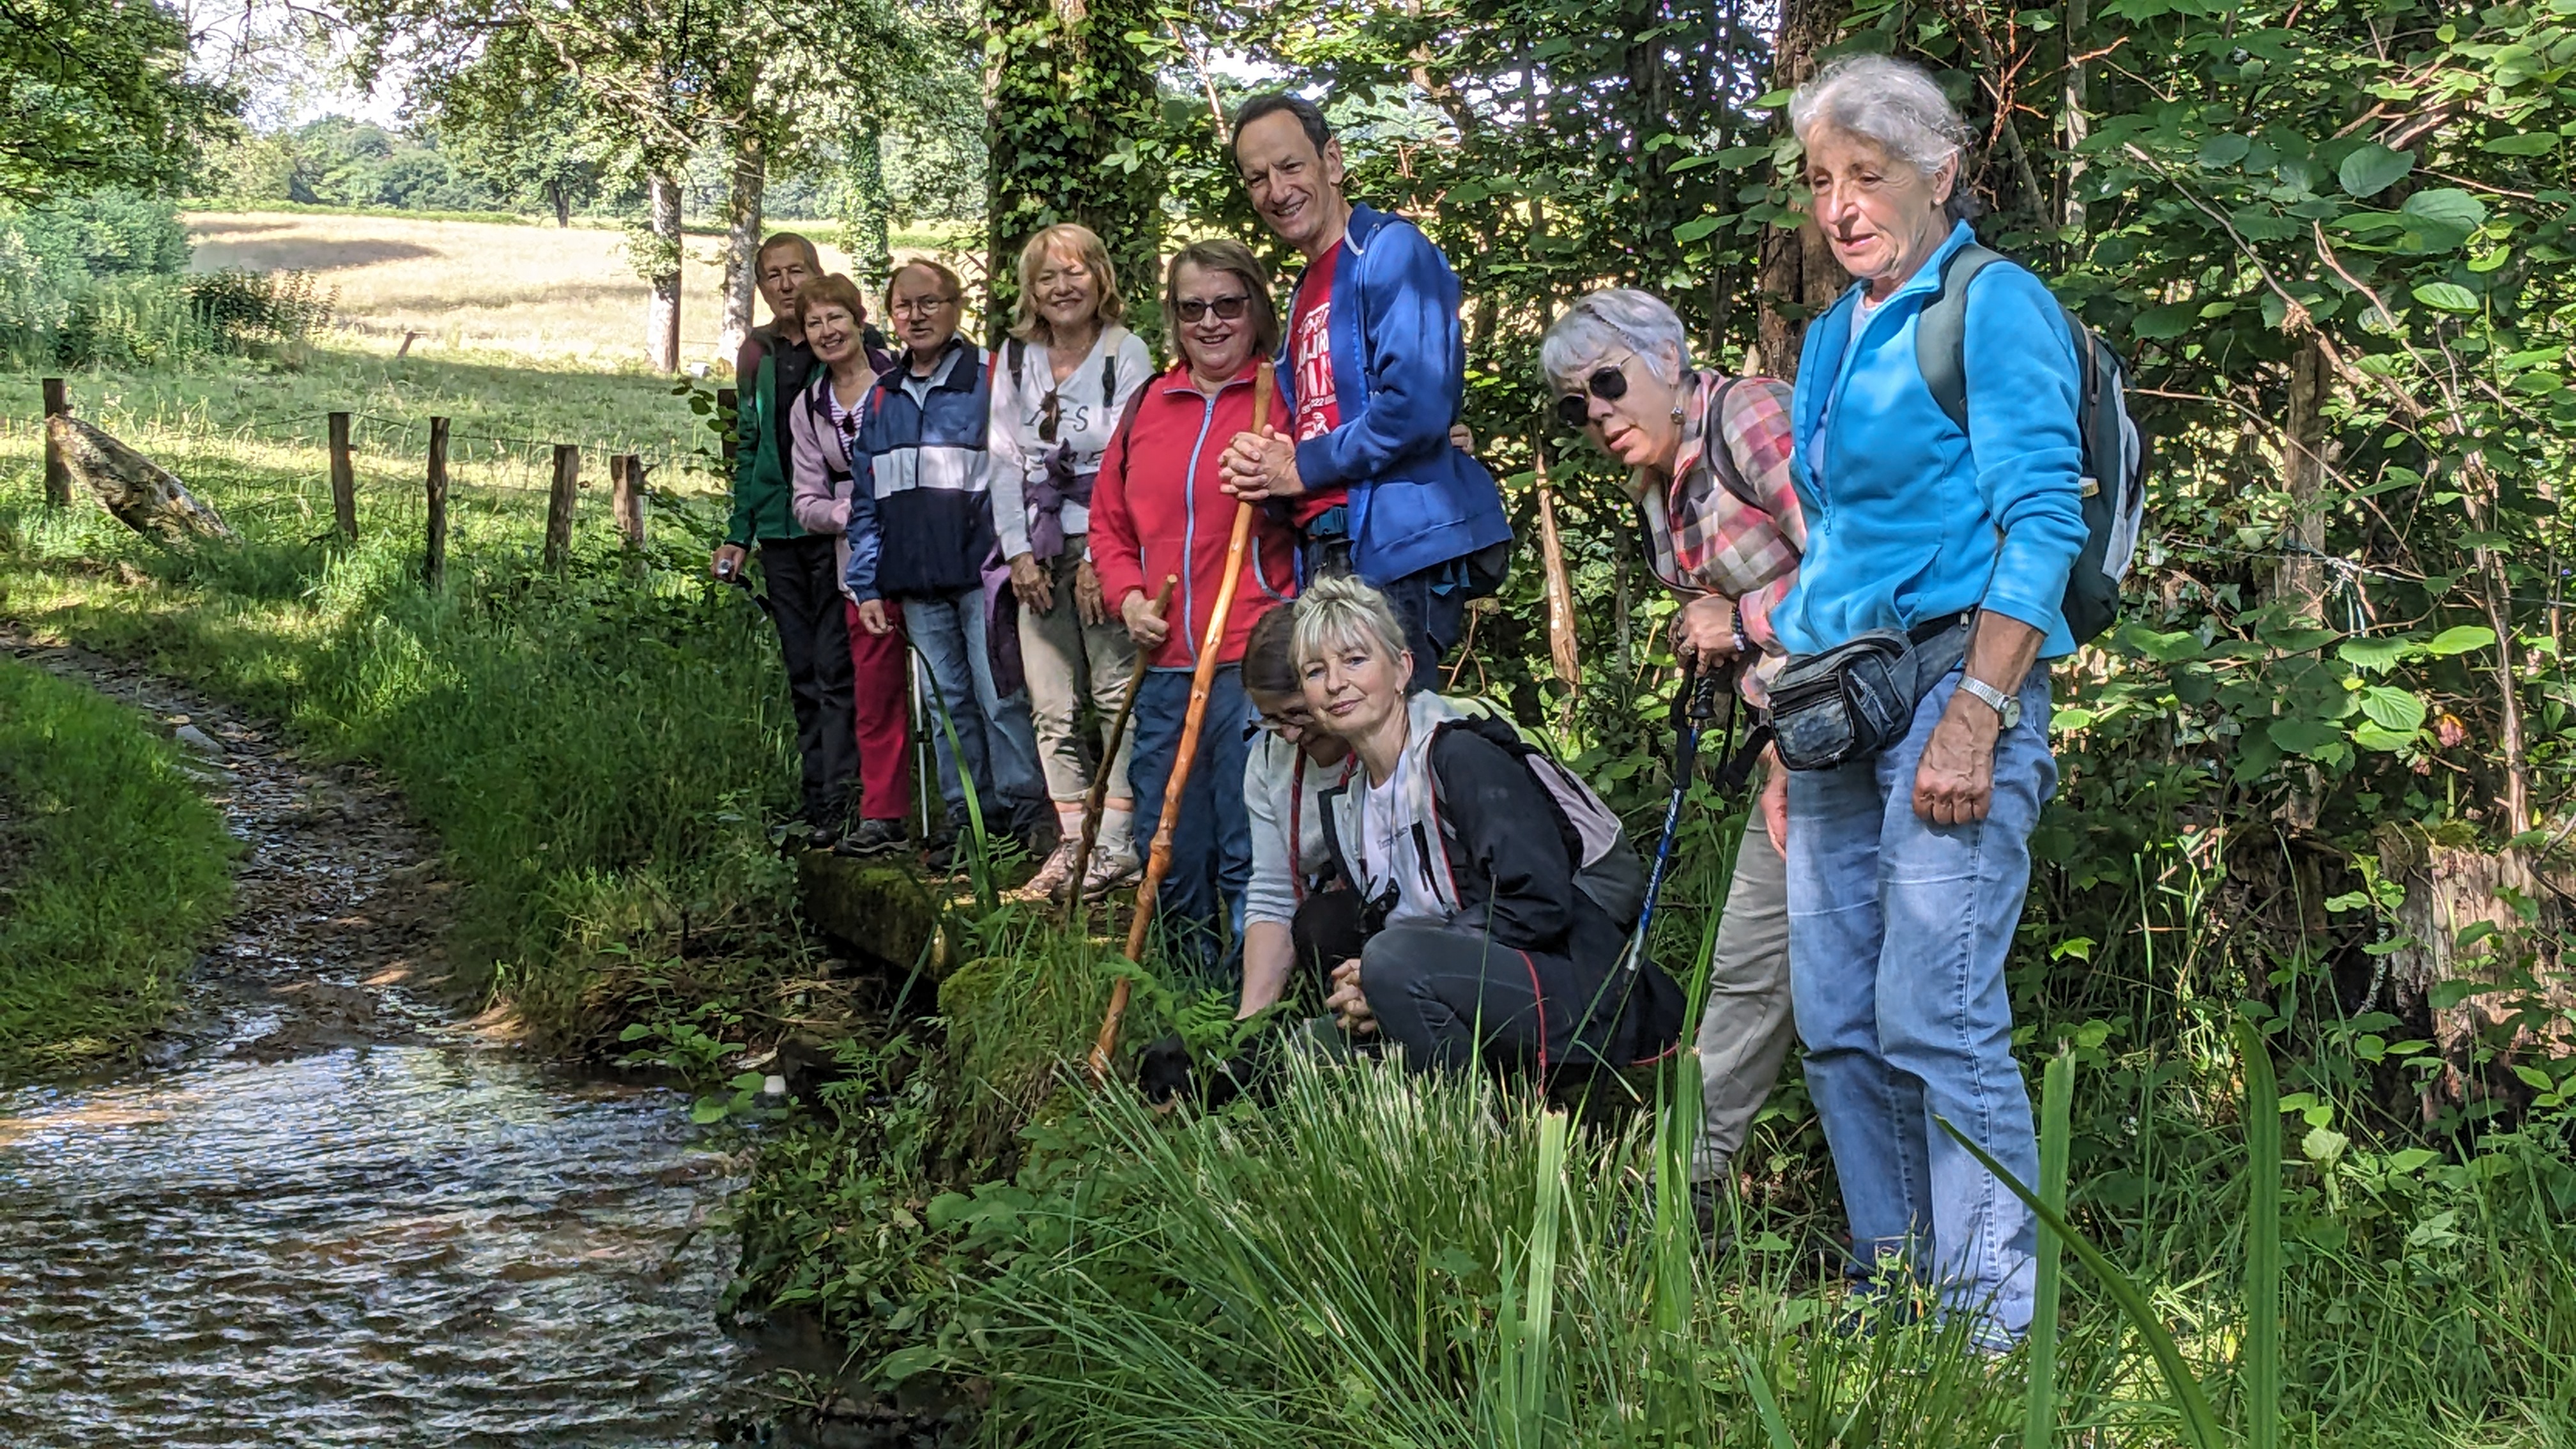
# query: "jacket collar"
1365,220
1927,277
954,372
1177,381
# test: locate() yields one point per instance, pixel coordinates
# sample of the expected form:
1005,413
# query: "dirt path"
333,937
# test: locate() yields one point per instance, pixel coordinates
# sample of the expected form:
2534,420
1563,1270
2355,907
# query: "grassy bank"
593,746
112,868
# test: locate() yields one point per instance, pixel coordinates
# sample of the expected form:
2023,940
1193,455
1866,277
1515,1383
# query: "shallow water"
379,1245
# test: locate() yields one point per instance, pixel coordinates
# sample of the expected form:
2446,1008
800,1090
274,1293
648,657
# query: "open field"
539,292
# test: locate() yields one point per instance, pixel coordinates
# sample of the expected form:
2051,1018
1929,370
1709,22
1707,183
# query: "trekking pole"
1696,700
1211,643
1099,800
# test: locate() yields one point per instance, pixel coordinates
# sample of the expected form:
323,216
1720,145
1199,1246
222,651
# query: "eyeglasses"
1227,309
1288,724
1609,384
921,306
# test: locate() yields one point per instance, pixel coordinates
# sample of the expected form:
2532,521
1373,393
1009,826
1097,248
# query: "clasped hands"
1347,1005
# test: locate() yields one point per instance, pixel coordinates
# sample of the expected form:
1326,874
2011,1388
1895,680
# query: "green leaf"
2224,150
2460,639
2157,324
2447,297
2373,168
2308,737
2376,655
2397,710
2370,736
2447,206
904,1363
2529,143
1697,227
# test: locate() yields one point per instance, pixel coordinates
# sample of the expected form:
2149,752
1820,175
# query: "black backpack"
2115,456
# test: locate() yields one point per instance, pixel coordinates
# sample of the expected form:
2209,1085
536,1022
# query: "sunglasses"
1050,415
1227,309
1609,384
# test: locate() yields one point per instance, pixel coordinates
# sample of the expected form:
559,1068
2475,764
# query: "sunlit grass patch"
112,867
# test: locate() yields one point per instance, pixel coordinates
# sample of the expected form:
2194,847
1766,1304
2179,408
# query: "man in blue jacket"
1372,373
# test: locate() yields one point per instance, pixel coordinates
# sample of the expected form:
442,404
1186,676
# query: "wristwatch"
2005,706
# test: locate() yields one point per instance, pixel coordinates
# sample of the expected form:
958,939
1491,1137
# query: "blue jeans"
1432,607
1899,930
1212,839
1001,748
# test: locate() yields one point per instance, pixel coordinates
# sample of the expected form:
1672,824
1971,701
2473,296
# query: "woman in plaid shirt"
1709,461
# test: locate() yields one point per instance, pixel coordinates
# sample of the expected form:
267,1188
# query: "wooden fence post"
58,471
433,567
344,480
626,498
559,505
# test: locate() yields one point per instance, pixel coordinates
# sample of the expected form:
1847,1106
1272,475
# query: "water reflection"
392,1245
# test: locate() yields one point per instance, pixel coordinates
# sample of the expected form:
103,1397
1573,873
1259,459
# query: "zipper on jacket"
1190,523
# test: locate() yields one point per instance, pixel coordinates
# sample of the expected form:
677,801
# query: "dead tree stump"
2493,985
139,492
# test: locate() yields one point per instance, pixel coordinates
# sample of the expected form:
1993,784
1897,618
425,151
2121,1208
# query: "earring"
1677,410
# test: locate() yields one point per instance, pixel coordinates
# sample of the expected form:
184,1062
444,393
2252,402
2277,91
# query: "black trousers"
814,639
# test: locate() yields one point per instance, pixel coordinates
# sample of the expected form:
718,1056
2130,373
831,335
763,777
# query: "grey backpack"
2115,456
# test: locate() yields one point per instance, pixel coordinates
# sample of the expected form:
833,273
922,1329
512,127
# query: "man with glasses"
921,528
1373,369
773,367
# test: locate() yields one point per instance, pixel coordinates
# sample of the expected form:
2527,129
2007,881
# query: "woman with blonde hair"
1060,385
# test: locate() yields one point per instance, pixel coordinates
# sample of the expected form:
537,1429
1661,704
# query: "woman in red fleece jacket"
1160,510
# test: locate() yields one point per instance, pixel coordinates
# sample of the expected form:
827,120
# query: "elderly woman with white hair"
1940,548
1709,470
1495,890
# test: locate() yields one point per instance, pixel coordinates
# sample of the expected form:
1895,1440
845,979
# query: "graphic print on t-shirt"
1310,348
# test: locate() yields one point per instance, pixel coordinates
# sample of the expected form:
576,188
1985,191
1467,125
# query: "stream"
327,1212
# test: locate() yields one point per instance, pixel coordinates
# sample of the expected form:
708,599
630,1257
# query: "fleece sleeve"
747,423
817,508
866,530
1271,892
1416,363
1010,460
2022,438
1492,802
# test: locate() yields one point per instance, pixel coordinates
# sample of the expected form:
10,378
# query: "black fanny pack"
1858,697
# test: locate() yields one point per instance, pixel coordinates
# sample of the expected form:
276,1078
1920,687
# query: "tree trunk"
1799,275
867,233
2072,127
742,235
662,315
143,496
560,197
2300,582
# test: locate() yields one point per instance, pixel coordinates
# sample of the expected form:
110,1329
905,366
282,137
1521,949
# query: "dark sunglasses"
1574,409
1227,309
1050,413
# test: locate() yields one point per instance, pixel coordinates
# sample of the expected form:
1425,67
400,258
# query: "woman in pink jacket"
820,424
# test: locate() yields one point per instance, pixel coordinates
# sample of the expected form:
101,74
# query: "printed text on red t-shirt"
1311,349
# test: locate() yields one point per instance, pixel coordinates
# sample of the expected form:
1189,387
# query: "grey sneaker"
1110,871
1052,877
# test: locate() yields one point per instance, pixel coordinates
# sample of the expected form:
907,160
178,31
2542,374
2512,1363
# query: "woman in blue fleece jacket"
1907,870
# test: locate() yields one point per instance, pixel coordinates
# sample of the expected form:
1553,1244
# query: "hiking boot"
871,838
939,853
1110,870
1054,874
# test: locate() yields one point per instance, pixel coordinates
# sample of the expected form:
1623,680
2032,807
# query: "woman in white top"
1060,386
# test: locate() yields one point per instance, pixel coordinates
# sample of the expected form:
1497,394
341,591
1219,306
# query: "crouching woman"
1496,890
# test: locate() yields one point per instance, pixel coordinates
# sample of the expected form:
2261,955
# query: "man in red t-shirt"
1374,368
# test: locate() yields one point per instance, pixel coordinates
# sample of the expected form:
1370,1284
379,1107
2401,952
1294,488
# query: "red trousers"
881,667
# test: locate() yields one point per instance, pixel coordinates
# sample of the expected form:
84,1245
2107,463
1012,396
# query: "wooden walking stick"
1211,643
1560,595
1099,800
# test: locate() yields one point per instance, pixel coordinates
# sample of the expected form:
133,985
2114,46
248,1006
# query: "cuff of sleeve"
1753,615
1315,463
2041,616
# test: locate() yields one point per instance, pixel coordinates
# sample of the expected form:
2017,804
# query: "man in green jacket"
772,371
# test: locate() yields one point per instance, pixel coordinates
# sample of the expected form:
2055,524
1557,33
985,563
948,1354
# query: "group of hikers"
1878,559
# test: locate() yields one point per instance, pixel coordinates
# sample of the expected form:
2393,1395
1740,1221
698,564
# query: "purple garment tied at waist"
1055,488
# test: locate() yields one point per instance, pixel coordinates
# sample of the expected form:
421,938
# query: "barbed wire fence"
410,469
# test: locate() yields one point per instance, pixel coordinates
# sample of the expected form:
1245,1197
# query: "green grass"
112,868
594,747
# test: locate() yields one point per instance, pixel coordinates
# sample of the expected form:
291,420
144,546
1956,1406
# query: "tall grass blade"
2056,1111
1527,1346
979,854
2200,1424
2262,1241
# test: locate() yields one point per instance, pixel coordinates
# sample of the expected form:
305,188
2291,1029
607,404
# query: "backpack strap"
1109,380
1017,353
1721,453
1941,332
